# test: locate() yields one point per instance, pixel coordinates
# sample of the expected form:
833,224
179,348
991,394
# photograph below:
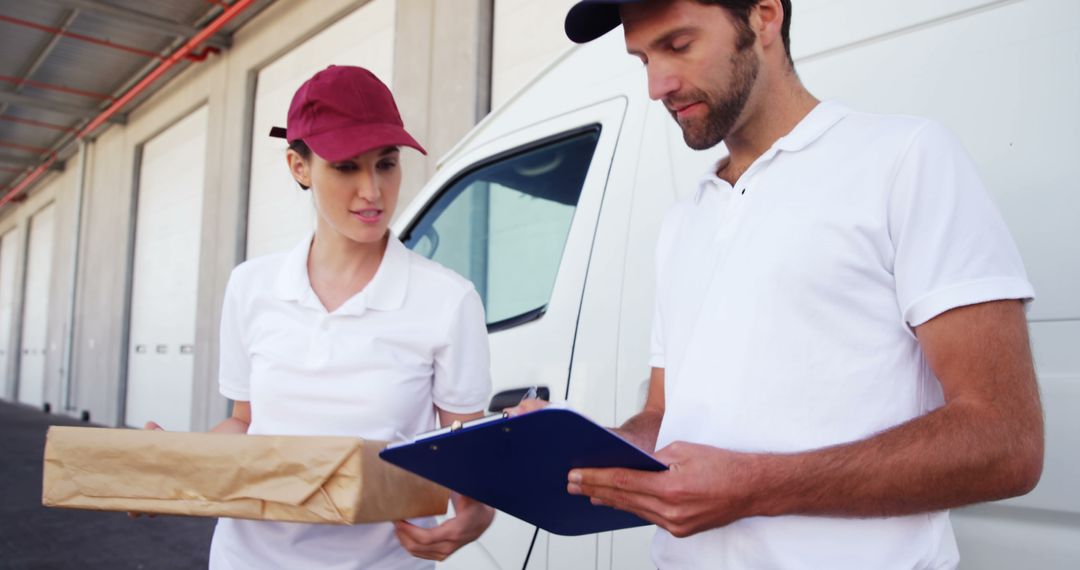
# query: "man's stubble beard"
723,111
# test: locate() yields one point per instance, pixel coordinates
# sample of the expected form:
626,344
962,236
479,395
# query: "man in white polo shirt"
840,351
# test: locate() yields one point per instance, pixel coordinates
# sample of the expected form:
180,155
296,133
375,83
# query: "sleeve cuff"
459,408
234,393
972,292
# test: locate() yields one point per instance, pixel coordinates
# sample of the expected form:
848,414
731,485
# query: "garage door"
279,213
36,307
166,274
8,253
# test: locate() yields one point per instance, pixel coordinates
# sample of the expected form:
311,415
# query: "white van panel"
825,25
36,307
165,275
577,78
993,537
987,77
8,253
279,212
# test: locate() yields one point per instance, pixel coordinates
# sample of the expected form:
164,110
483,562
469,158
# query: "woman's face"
356,197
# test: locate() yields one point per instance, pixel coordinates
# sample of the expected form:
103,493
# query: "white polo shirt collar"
385,292
815,124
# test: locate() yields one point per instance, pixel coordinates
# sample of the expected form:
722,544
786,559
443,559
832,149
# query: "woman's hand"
526,406
471,519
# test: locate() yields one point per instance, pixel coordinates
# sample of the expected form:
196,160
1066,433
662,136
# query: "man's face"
700,62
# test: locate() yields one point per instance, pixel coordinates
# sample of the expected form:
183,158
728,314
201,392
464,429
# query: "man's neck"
771,113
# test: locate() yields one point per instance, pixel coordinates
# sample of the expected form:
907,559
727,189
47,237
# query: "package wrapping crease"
334,480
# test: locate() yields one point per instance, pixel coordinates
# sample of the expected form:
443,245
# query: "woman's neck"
339,267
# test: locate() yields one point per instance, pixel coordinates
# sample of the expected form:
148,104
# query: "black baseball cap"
590,19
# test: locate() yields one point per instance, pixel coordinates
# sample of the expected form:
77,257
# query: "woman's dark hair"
741,10
301,148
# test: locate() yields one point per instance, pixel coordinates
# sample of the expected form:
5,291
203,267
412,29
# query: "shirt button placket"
725,210
319,350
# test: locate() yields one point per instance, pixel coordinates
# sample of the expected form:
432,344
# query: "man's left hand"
471,519
703,488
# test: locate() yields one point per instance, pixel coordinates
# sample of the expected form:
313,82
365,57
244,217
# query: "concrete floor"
39,538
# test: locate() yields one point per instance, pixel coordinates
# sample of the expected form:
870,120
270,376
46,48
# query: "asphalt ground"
40,538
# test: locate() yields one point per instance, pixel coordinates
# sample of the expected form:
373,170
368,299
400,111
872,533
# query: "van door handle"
512,397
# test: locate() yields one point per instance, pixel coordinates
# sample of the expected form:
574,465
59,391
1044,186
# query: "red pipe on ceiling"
33,123
53,87
96,41
211,29
25,147
80,37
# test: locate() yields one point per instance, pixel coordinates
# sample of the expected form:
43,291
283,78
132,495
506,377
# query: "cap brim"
348,142
589,20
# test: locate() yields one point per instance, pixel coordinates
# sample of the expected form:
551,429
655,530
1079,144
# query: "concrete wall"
442,55
441,62
528,38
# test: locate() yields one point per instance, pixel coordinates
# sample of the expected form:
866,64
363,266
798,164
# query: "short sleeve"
952,245
462,368
234,369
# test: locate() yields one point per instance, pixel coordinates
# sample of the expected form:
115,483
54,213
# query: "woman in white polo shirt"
349,333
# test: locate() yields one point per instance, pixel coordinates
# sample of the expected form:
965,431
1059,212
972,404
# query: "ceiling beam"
19,162
43,53
54,106
46,50
141,20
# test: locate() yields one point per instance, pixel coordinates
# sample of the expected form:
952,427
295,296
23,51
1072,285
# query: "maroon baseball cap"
344,111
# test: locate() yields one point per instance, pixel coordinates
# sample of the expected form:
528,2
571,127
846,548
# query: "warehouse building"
127,195
119,231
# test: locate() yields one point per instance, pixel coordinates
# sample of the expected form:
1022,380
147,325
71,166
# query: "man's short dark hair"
741,9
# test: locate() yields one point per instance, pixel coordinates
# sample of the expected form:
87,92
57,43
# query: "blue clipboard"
519,465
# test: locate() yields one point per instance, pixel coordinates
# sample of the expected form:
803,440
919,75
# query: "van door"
517,217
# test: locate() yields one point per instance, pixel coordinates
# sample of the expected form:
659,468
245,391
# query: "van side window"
503,224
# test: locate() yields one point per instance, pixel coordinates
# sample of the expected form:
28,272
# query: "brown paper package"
332,480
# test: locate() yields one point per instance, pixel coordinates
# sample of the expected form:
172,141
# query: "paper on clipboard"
519,466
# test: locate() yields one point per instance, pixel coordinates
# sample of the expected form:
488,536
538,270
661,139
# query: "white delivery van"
551,207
